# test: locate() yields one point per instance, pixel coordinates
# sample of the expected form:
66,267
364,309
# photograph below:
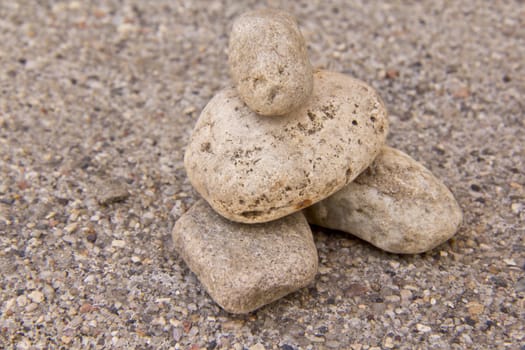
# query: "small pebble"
31,307
36,296
118,243
69,239
65,339
520,285
85,308
510,262
177,334
112,191
422,328
257,346
394,264
388,343
392,299
91,236
178,209
333,344
475,309
71,227
406,295
315,339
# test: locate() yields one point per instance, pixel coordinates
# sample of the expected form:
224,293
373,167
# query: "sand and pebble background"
98,100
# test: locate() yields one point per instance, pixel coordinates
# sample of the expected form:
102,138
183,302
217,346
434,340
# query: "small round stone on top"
269,62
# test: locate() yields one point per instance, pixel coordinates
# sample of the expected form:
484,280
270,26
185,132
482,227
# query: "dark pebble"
113,310
470,321
42,226
212,345
85,162
499,281
489,324
62,201
287,347
377,299
322,329
18,252
7,201
91,237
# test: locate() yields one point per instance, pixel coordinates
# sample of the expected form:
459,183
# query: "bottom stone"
244,267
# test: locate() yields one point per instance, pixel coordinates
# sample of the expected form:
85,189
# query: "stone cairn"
291,146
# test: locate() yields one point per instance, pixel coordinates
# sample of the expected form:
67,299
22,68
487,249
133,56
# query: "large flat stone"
256,169
244,267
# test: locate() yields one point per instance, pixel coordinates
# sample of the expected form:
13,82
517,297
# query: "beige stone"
252,169
244,267
396,204
269,62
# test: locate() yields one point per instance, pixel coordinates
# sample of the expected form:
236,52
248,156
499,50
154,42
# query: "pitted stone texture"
269,62
252,169
244,267
396,205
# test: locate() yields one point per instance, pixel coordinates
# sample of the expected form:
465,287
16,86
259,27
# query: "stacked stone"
288,138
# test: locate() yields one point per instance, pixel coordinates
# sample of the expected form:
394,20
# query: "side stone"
396,204
244,267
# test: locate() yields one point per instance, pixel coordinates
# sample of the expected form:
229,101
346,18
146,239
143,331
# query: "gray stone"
112,191
244,267
269,62
396,204
252,169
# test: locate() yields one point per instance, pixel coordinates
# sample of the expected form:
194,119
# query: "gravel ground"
97,101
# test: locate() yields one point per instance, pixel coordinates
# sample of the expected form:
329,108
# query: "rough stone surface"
244,267
396,204
111,192
269,62
93,90
253,169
